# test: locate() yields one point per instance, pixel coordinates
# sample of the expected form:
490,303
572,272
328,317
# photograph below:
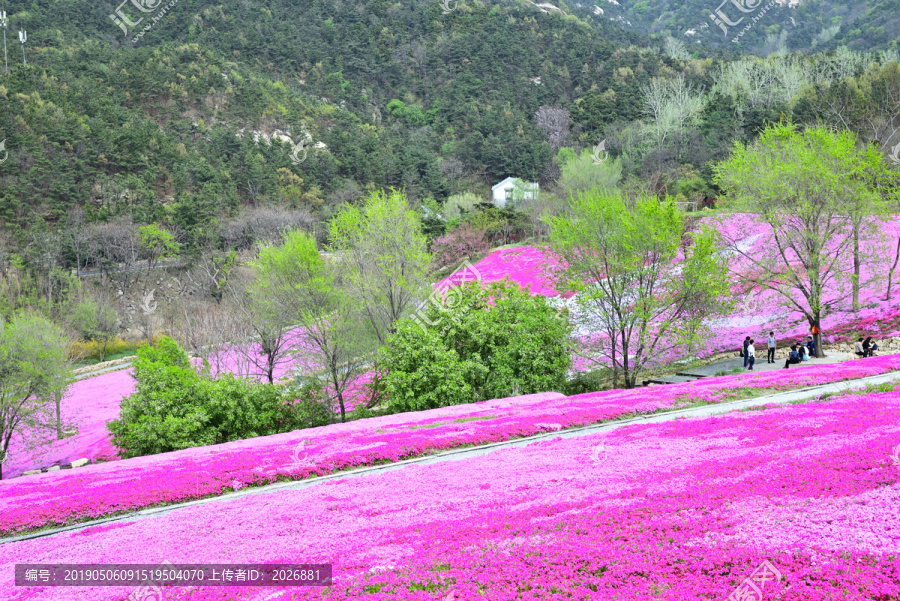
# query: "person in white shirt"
751,355
770,343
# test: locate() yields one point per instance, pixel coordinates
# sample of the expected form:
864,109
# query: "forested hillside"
309,105
757,26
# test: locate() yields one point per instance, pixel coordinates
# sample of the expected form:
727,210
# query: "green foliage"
459,206
175,407
587,381
816,191
384,258
96,321
294,286
622,256
34,372
157,243
480,343
583,173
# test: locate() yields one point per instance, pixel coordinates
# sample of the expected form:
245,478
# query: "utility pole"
23,36
3,21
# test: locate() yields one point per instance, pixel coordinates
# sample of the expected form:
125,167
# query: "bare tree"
554,122
269,343
215,334
660,112
78,237
264,225
115,249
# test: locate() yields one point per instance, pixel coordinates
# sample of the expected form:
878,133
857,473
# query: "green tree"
34,374
96,321
157,243
295,283
474,344
639,303
589,171
813,191
383,256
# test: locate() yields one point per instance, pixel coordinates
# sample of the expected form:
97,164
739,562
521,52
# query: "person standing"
811,343
744,351
770,344
750,355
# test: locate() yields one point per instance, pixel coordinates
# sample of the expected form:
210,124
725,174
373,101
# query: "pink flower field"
794,503
756,313
98,490
93,402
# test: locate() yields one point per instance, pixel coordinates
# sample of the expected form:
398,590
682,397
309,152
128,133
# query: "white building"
512,188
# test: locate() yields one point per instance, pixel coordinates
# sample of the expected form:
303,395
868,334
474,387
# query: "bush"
477,344
587,381
175,407
463,241
90,349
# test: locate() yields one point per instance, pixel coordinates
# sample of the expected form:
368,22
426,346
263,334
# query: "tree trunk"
855,267
817,337
893,267
57,397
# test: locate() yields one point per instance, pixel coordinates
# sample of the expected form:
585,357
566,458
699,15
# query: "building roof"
513,179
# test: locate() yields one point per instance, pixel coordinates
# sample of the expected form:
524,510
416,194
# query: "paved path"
731,364
455,455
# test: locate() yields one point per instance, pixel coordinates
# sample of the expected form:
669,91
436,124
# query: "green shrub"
478,344
176,407
587,381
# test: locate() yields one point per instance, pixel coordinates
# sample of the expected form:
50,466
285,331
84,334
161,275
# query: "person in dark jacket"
811,343
867,347
793,358
744,351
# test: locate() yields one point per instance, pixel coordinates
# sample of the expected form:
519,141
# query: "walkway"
732,364
455,455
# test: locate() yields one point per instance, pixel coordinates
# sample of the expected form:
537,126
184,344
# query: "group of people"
800,352
866,348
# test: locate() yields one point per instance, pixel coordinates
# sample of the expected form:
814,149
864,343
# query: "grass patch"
730,372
